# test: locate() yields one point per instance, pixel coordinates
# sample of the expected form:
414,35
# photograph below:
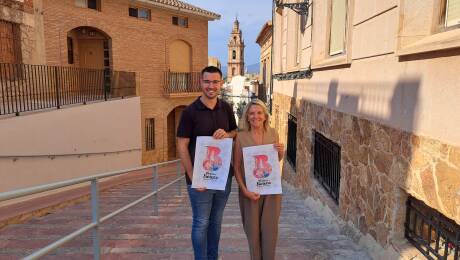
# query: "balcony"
181,84
25,87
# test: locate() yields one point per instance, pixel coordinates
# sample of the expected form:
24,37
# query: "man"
206,116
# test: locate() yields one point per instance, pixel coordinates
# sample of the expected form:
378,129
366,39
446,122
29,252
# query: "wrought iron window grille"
433,234
326,164
299,8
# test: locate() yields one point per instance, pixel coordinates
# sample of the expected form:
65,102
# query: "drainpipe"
271,57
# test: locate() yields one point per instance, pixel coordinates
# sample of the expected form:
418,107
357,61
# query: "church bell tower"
235,52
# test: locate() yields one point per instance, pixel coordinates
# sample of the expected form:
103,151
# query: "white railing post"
95,218
179,191
155,189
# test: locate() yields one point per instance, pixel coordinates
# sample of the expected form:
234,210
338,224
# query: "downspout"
271,57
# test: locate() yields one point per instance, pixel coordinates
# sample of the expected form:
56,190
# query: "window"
338,26
180,21
10,47
233,54
149,134
439,32
450,13
233,71
436,236
70,50
91,4
292,140
326,164
140,13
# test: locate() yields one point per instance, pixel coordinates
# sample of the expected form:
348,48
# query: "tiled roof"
184,7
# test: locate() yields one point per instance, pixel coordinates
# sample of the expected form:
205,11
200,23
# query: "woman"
260,213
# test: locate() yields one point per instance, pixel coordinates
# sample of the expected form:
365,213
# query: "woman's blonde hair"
255,102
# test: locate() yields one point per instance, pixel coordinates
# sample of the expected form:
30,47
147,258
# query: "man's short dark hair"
211,69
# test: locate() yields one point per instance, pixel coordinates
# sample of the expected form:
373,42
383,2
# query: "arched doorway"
89,47
173,122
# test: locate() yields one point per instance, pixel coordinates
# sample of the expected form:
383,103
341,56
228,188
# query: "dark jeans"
208,210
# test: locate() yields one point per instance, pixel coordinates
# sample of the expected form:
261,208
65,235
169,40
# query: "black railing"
181,82
292,140
25,87
326,164
436,236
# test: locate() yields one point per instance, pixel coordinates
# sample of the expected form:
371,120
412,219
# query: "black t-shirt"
199,120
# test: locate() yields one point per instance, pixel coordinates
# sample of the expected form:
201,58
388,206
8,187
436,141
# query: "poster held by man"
212,162
263,174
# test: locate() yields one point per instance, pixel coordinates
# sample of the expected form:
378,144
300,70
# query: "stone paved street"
136,234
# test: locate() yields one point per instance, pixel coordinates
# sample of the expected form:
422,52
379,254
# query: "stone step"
137,234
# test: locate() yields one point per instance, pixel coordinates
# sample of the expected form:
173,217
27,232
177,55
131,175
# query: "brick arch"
174,38
172,122
92,28
174,106
89,47
180,56
101,27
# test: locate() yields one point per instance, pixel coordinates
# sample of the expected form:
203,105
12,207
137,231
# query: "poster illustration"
262,169
212,162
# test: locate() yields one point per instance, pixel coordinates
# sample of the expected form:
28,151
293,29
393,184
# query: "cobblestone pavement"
136,234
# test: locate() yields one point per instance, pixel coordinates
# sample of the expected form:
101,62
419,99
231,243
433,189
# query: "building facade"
214,61
264,39
235,65
21,32
164,42
364,97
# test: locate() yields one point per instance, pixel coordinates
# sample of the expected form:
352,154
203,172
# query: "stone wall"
380,167
22,14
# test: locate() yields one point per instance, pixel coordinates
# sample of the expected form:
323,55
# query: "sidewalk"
137,234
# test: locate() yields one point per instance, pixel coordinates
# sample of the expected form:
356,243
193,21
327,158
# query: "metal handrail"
96,220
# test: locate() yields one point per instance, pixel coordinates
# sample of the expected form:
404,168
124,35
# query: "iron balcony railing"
96,219
326,164
181,82
25,87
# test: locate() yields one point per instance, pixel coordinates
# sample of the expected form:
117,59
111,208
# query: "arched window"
233,54
233,71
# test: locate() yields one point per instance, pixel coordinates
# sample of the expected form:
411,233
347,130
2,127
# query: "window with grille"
149,134
292,140
10,39
338,25
436,236
140,13
180,21
326,164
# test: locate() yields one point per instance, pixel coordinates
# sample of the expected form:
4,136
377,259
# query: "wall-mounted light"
299,8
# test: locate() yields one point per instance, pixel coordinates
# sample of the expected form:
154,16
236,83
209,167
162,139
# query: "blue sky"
252,15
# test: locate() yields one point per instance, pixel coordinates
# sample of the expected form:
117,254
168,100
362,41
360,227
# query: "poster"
262,169
212,162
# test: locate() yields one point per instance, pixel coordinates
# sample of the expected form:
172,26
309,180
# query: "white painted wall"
418,93
72,142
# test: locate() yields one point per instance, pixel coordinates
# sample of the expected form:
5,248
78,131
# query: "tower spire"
235,51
